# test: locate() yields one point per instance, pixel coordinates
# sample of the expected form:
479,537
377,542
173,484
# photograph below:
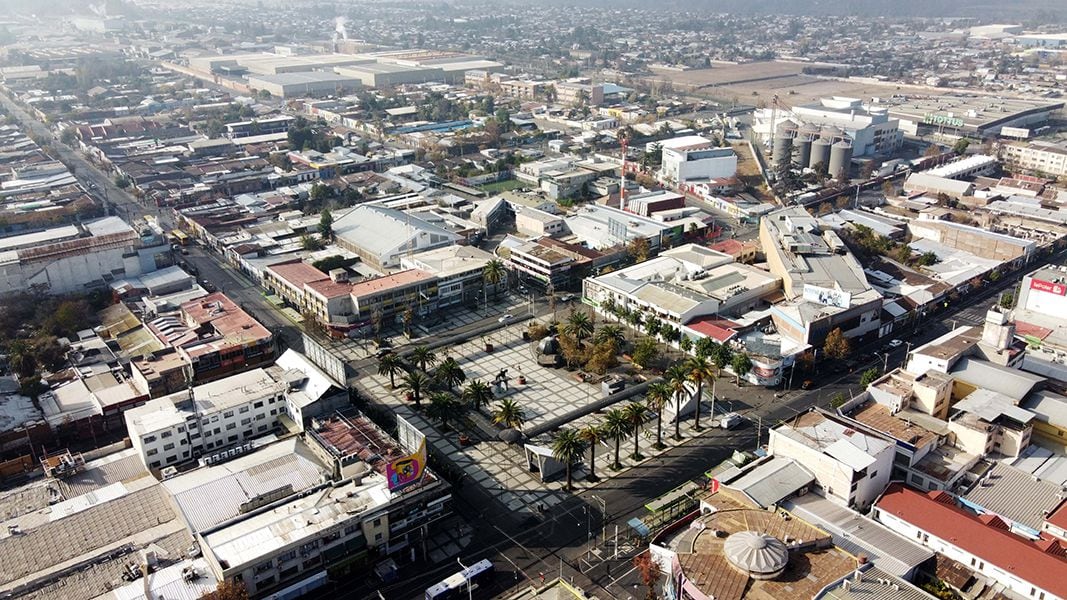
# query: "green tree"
837,400
617,426
444,408
477,393
318,195
416,383
592,434
869,376
509,414
656,397
722,356
705,347
700,370
961,145
311,243
741,365
492,274
645,352
122,182
449,373
610,334
601,358
568,447
639,249
927,259
676,377
578,325
837,345
685,344
326,225
390,365
636,413
423,357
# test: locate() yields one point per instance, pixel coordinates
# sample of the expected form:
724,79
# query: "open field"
503,186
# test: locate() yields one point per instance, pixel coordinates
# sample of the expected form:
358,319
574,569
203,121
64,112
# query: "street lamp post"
470,593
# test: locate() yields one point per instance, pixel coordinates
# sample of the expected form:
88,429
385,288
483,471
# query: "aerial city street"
428,300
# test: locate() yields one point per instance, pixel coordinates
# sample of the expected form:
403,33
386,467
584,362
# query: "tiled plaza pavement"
500,468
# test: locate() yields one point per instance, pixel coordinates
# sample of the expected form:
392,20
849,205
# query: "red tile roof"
296,273
380,284
1058,516
1037,331
1015,555
715,328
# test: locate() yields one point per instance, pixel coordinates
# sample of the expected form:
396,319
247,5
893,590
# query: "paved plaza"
500,468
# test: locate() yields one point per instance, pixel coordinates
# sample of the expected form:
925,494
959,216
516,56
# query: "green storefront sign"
934,119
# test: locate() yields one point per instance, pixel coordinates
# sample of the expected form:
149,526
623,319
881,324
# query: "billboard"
323,359
1047,286
943,120
1021,133
408,435
407,469
827,296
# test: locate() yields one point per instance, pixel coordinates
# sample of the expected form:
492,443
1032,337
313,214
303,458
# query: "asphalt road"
95,181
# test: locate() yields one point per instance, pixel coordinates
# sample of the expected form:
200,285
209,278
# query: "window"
227,414
154,464
232,438
262,428
185,454
261,416
246,421
168,446
244,409
194,435
217,431
290,555
230,426
274,411
258,404
148,439
873,474
181,428
152,452
378,537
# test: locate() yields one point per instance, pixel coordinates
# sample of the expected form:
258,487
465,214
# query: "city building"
599,227
967,115
305,84
1039,157
694,158
222,415
870,128
393,295
850,467
825,286
381,236
981,544
733,550
380,75
459,271
336,526
215,337
71,258
683,284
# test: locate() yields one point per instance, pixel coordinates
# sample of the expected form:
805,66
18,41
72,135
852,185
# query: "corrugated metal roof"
1013,383
1015,494
858,534
770,482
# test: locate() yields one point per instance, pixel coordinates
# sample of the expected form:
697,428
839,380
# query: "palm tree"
416,383
509,414
450,373
444,408
635,414
493,273
700,370
612,334
567,448
657,396
593,434
578,325
423,357
478,394
616,425
390,365
676,376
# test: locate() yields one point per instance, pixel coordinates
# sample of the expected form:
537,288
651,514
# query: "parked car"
730,420
505,318
895,343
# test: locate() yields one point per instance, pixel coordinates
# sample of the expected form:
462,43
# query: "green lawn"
503,186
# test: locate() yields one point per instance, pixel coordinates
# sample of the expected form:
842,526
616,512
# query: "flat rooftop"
879,418
813,561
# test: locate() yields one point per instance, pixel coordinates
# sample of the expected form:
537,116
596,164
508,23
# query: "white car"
730,420
505,318
895,343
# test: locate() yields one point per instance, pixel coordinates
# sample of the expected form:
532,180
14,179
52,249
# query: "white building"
692,158
381,236
850,467
73,257
983,544
871,129
1037,157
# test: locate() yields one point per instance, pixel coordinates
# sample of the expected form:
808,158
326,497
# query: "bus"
456,586
179,237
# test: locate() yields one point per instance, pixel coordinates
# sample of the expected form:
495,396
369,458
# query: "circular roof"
756,553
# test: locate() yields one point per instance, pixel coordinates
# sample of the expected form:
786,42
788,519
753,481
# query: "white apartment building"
1037,157
224,413
850,467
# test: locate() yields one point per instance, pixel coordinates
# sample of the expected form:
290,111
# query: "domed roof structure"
758,555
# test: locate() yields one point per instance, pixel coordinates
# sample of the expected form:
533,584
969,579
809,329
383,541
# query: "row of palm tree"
570,444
